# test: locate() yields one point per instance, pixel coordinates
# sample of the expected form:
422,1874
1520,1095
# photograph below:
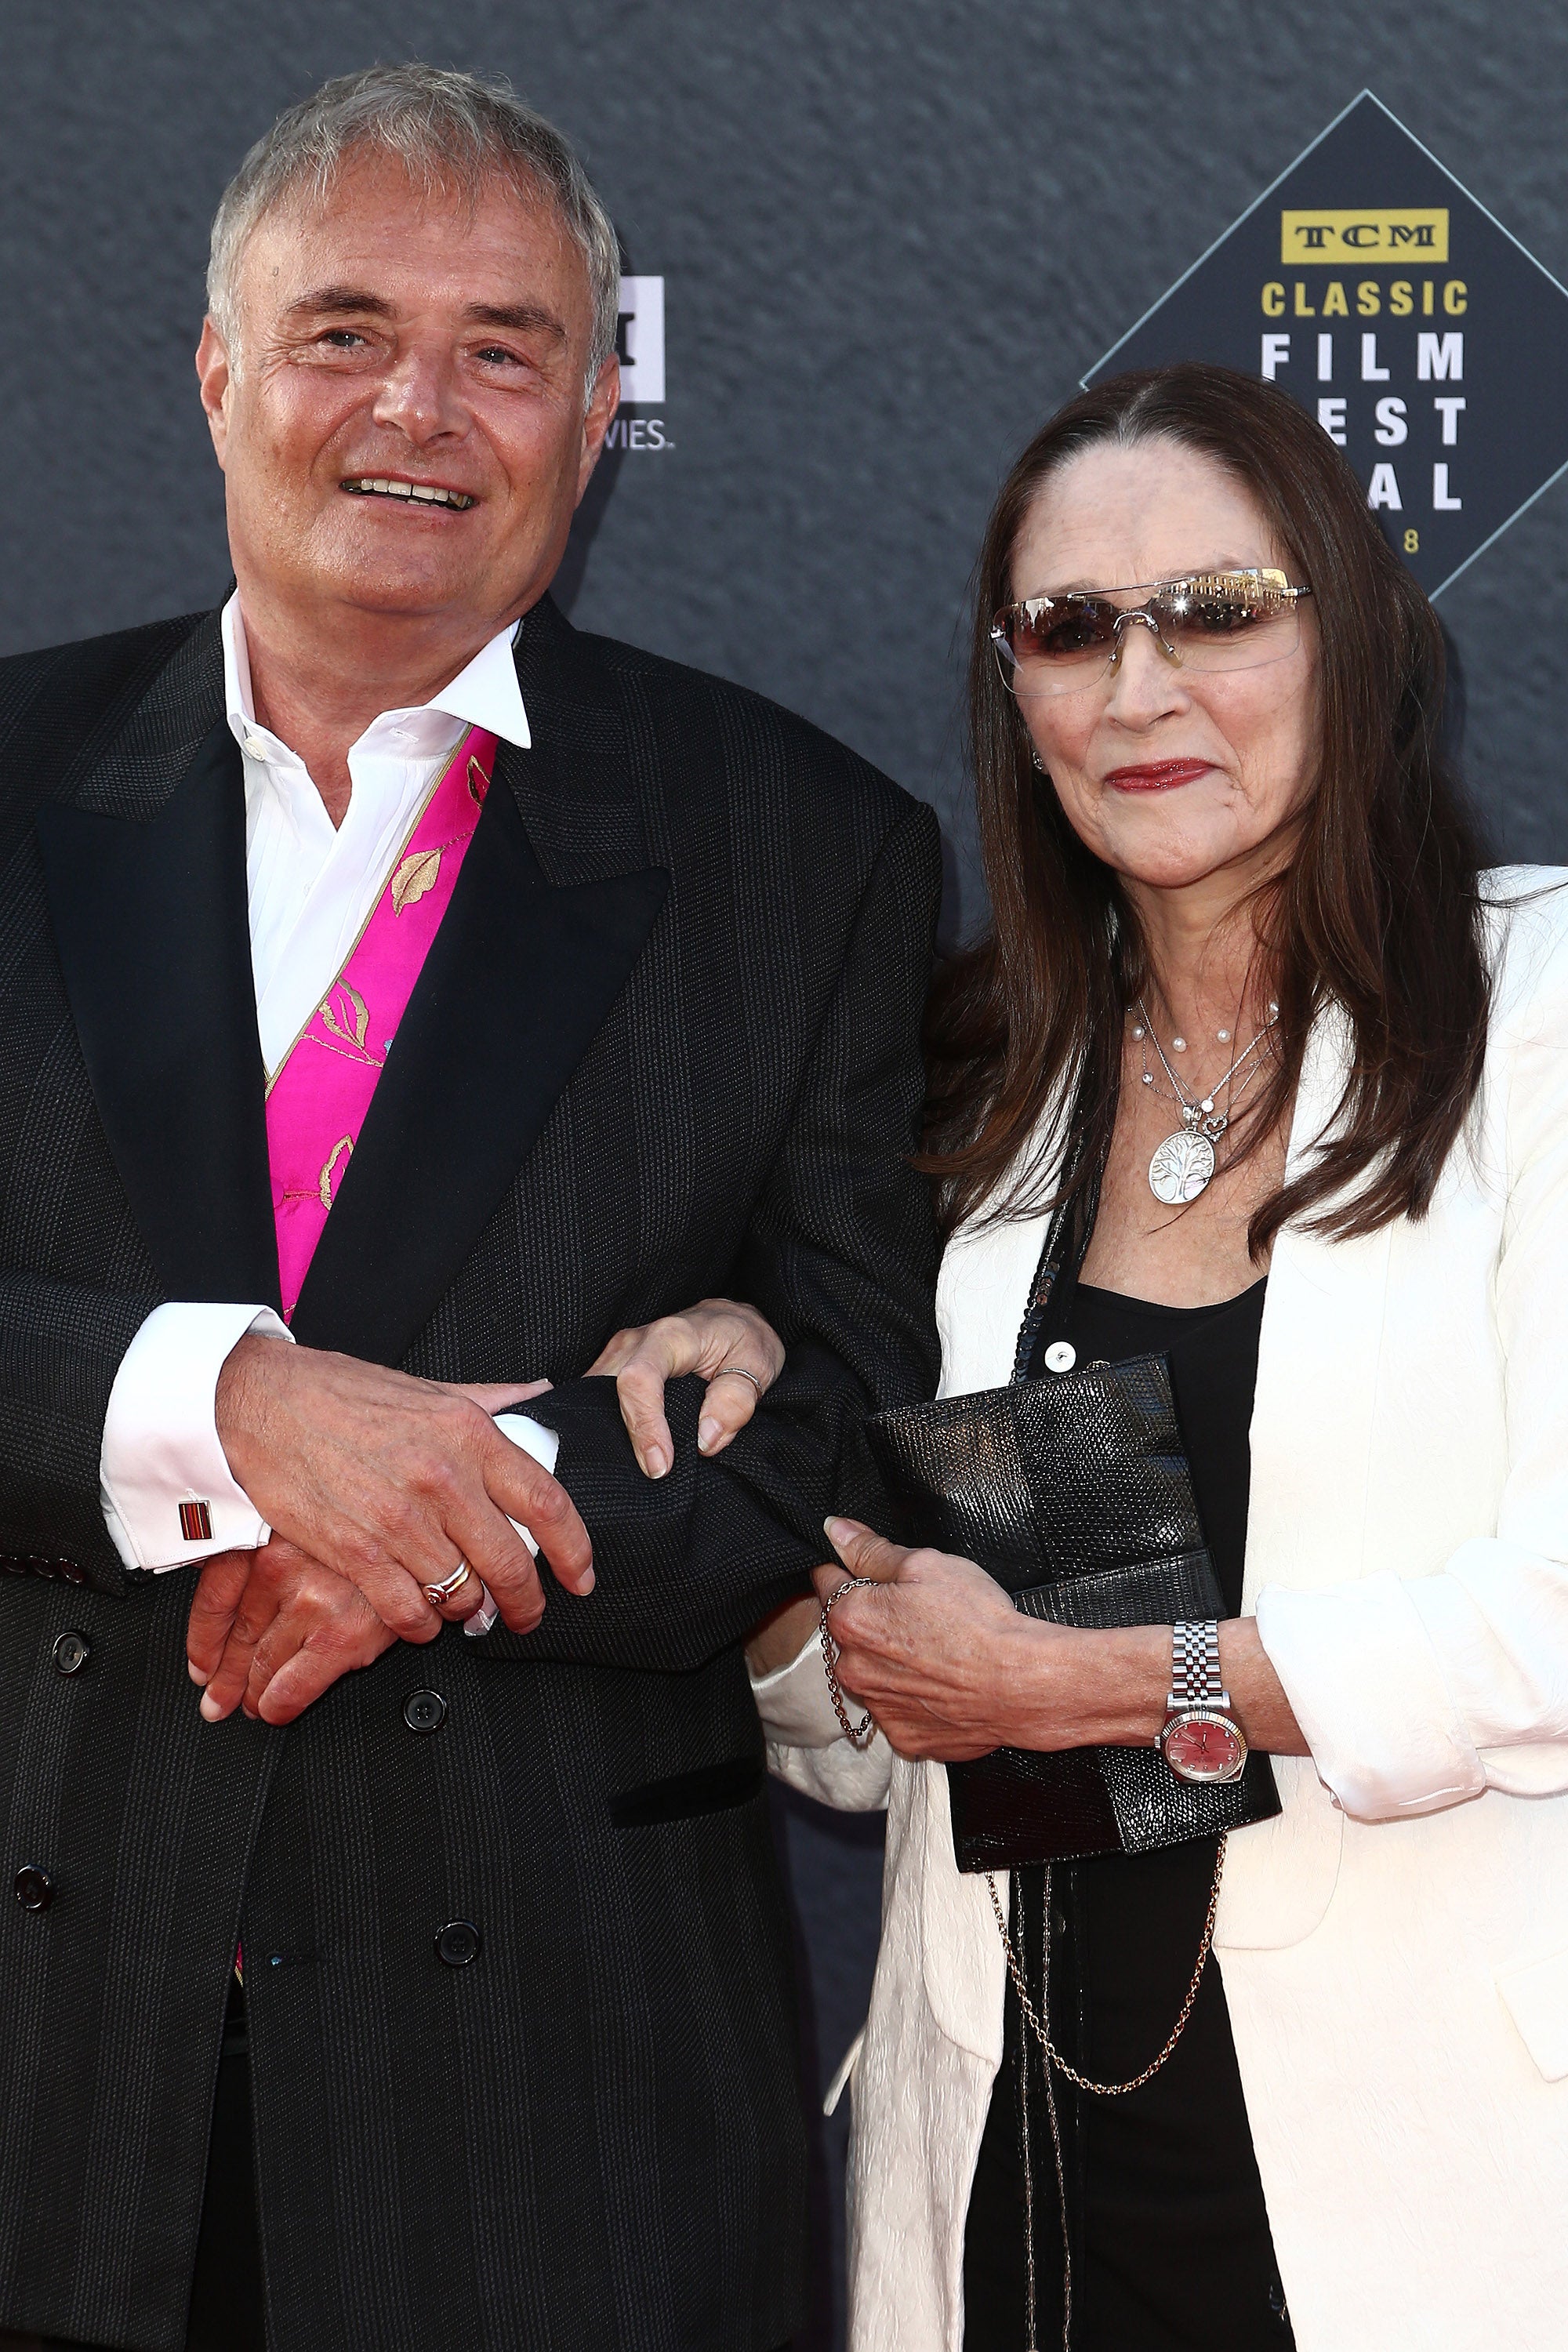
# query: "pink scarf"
317,1101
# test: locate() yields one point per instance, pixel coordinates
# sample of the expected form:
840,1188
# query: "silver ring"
435,1594
741,1373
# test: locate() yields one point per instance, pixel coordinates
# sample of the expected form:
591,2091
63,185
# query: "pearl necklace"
1183,1163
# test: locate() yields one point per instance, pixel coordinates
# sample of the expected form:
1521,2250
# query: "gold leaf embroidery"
359,1011
414,877
478,784
342,1150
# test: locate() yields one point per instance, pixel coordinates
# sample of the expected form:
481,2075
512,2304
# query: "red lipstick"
1158,775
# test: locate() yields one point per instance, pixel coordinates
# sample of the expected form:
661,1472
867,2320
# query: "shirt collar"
484,694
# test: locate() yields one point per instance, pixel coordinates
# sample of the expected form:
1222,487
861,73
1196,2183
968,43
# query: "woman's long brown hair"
1378,916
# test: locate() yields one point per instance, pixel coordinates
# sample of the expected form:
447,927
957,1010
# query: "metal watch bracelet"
1195,1667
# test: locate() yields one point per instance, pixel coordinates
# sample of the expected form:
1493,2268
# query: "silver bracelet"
860,1735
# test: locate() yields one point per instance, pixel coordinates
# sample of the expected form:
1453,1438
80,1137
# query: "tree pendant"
1181,1168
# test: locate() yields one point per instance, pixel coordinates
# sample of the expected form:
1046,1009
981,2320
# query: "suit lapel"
153,937
520,979
153,930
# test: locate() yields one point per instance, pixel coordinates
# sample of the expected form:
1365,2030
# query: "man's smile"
383,486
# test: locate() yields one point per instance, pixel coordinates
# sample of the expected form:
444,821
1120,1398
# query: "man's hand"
270,1630
729,1345
391,1482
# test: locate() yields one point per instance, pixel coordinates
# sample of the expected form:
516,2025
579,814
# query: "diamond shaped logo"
1427,342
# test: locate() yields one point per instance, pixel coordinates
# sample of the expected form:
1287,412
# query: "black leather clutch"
1073,1491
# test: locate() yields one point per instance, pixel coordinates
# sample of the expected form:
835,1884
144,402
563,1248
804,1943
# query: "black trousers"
226,2294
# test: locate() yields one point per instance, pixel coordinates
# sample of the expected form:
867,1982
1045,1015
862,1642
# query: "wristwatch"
1201,1739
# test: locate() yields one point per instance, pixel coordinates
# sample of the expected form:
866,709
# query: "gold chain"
1032,2017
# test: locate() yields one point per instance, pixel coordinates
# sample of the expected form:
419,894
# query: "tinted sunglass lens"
1229,628
1059,644
1071,629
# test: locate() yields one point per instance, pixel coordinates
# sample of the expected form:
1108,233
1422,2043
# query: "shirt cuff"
544,1444
794,1703
167,1491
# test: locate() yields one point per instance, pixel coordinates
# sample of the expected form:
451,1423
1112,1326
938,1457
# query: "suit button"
457,1943
71,1652
35,1887
72,1573
424,1710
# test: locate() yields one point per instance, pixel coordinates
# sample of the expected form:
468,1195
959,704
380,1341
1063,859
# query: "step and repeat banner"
868,249
1382,295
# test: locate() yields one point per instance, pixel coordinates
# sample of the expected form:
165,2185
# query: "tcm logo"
1419,234
1448,395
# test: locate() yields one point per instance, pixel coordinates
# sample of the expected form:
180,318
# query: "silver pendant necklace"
1183,1163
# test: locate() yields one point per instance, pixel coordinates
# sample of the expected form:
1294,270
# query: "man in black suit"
515,2054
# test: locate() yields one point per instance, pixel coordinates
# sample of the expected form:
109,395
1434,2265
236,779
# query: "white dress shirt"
309,888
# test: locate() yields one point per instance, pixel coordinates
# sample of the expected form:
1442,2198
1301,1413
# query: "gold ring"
435,1594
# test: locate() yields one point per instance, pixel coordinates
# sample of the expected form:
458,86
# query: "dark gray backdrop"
893,237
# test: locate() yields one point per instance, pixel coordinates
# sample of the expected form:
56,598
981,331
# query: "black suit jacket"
666,1045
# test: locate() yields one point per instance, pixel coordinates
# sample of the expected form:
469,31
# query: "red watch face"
1202,1747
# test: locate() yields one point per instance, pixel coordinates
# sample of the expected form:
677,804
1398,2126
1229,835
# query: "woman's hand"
949,1668
729,1345
934,1655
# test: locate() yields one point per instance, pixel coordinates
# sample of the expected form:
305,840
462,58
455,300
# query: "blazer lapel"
153,930
518,981
151,925
1317,1366
1319,1360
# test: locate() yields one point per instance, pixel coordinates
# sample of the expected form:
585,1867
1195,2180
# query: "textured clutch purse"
1073,1492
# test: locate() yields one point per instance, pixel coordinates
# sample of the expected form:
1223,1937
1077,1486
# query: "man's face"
388,337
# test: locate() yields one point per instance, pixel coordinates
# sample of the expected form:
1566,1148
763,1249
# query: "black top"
1164,2209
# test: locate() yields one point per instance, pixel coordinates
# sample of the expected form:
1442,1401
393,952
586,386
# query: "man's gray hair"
449,130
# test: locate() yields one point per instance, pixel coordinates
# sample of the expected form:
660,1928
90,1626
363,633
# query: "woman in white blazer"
1193,841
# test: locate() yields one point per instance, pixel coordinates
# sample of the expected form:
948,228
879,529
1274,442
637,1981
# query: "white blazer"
1394,1945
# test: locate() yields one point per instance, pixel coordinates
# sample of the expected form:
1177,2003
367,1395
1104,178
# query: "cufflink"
196,1522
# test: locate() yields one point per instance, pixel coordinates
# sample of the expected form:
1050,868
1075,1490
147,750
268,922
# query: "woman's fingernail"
211,1711
655,1462
708,1435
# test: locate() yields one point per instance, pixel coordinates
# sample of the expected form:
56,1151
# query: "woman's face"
1171,776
